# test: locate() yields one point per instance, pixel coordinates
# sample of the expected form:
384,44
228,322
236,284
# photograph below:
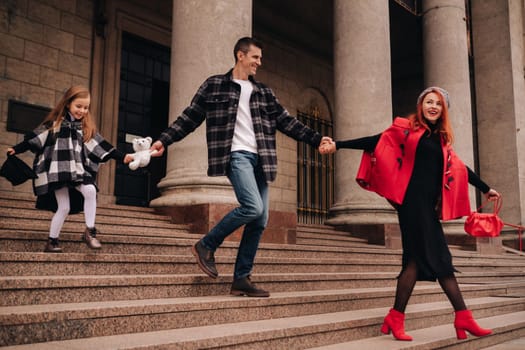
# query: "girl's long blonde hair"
443,123
58,113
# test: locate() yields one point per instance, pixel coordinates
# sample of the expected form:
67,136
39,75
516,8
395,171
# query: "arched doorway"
315,172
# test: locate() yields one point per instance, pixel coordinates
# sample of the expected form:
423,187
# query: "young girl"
68,150
416,169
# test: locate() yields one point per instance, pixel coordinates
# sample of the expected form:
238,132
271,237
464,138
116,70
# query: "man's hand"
157,149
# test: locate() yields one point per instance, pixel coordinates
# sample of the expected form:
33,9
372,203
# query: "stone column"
203,37
445,55
500,101
446,64
363,105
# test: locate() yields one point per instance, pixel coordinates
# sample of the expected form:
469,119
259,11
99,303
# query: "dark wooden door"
143,111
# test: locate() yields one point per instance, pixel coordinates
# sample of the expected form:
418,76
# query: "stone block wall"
45,47
291,74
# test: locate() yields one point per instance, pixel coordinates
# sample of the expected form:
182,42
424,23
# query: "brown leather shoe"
90,237
205,259
243,286
52,246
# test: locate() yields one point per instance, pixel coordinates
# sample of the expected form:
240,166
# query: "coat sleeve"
190,119
367,143
291,126
34,140
98,149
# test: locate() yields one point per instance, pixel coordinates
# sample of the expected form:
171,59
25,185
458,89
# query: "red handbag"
485,224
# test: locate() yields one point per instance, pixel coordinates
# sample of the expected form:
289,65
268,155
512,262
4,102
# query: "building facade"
353,64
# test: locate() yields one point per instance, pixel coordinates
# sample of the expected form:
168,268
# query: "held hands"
327,145
10,151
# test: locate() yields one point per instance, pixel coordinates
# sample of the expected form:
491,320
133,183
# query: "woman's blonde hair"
58,113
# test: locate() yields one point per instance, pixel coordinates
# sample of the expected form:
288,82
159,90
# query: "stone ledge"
201,218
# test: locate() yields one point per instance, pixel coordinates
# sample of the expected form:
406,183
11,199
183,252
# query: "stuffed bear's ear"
149,139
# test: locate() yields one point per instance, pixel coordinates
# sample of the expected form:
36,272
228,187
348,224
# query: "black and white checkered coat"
62,158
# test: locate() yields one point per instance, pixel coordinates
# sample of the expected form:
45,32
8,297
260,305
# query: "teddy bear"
142,154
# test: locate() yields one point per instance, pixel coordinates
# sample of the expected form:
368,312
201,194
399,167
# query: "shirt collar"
229,77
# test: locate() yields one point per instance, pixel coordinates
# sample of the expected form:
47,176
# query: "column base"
456,235
489,245
376,224
202,218
387,235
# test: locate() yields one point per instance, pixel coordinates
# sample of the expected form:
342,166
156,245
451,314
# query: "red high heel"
465,322
395,322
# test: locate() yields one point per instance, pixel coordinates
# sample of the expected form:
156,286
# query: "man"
242,116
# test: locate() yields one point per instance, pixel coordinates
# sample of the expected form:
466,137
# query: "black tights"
407,280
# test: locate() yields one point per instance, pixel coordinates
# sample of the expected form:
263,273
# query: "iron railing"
315,175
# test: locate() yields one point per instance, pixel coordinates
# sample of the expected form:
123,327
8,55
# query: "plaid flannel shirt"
217,101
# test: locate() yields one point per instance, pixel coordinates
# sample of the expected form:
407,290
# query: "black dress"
422,235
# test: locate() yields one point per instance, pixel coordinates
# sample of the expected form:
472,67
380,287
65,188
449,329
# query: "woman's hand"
492,195
10,151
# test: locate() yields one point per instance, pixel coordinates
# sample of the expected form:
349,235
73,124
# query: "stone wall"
291,73
45,47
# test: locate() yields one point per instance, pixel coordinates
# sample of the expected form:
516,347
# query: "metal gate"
315,174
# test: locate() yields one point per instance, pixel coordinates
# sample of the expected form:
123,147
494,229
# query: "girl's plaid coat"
62,158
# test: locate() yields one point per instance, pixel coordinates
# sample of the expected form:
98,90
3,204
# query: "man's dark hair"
243,45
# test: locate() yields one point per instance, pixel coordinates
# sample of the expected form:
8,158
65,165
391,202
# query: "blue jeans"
247,178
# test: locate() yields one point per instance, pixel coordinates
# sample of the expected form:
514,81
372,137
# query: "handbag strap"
497,204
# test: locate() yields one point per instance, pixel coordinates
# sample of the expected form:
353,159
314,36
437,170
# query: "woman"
413,165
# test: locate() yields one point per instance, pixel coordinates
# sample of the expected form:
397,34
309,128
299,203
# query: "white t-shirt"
243,134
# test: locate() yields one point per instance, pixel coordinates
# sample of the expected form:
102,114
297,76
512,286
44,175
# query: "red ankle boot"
465,322
395,322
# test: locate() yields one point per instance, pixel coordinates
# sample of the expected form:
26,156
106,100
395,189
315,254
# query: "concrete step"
47,322
300,332
173,256
53,289
132,241
512,344
505,327
178,241
323,230
71,226
22,290
98,263
38,216
11,199
13,208
326,241
320,228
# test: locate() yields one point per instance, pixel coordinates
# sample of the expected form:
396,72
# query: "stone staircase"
143,290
